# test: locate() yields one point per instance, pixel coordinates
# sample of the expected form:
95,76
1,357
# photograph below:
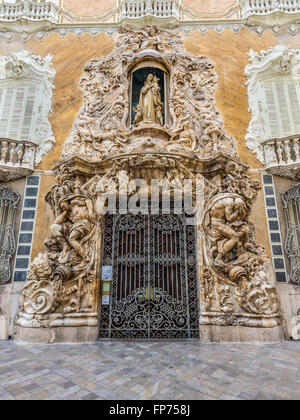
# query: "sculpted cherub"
209,147
213,129
129,43
184,137
119,114
83,132
95,101
233,170
105,140
151,38
177,113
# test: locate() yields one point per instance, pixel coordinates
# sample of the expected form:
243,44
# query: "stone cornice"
208,167
66,21
94,29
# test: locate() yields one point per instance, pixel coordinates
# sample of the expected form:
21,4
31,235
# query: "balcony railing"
282,156
16,159
158,10
39,15
270,11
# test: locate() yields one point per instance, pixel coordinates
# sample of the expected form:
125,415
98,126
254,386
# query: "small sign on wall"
107,272
105,299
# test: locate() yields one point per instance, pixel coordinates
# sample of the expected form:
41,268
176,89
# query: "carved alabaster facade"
237,296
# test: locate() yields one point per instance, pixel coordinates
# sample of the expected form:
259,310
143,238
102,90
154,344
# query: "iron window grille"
8,205
291,205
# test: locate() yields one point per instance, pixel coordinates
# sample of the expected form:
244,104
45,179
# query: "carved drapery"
104,154
8,204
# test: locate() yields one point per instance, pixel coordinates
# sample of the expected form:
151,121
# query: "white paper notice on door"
105,300
107,272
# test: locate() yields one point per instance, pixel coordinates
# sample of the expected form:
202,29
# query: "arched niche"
138,75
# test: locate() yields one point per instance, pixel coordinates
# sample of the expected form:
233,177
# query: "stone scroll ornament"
106,150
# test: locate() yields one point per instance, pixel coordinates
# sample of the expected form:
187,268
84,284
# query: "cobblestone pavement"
143,370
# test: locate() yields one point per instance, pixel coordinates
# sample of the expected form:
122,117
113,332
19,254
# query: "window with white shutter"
18,111
294,95
270,106
282,107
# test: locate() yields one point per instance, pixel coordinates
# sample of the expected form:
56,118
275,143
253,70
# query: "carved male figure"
226,222
79,211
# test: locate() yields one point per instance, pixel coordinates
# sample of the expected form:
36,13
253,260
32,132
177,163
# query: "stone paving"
149,370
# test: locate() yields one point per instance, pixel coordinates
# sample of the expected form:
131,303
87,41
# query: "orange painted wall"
97,7
88,7
209,6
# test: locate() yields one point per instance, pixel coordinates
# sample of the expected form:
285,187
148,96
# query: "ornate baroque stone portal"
104,149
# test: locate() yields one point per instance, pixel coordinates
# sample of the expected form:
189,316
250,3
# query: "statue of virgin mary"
149,109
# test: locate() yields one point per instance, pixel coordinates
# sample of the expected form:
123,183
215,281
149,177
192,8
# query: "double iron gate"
154,278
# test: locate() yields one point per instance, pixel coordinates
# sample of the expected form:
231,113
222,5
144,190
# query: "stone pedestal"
232,334
66,335
3,328
290,308
208,334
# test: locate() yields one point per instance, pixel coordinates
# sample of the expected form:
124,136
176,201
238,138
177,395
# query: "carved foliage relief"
104,151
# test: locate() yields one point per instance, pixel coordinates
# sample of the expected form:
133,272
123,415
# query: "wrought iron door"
154,287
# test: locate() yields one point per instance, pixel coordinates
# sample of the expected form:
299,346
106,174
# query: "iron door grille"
154,287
